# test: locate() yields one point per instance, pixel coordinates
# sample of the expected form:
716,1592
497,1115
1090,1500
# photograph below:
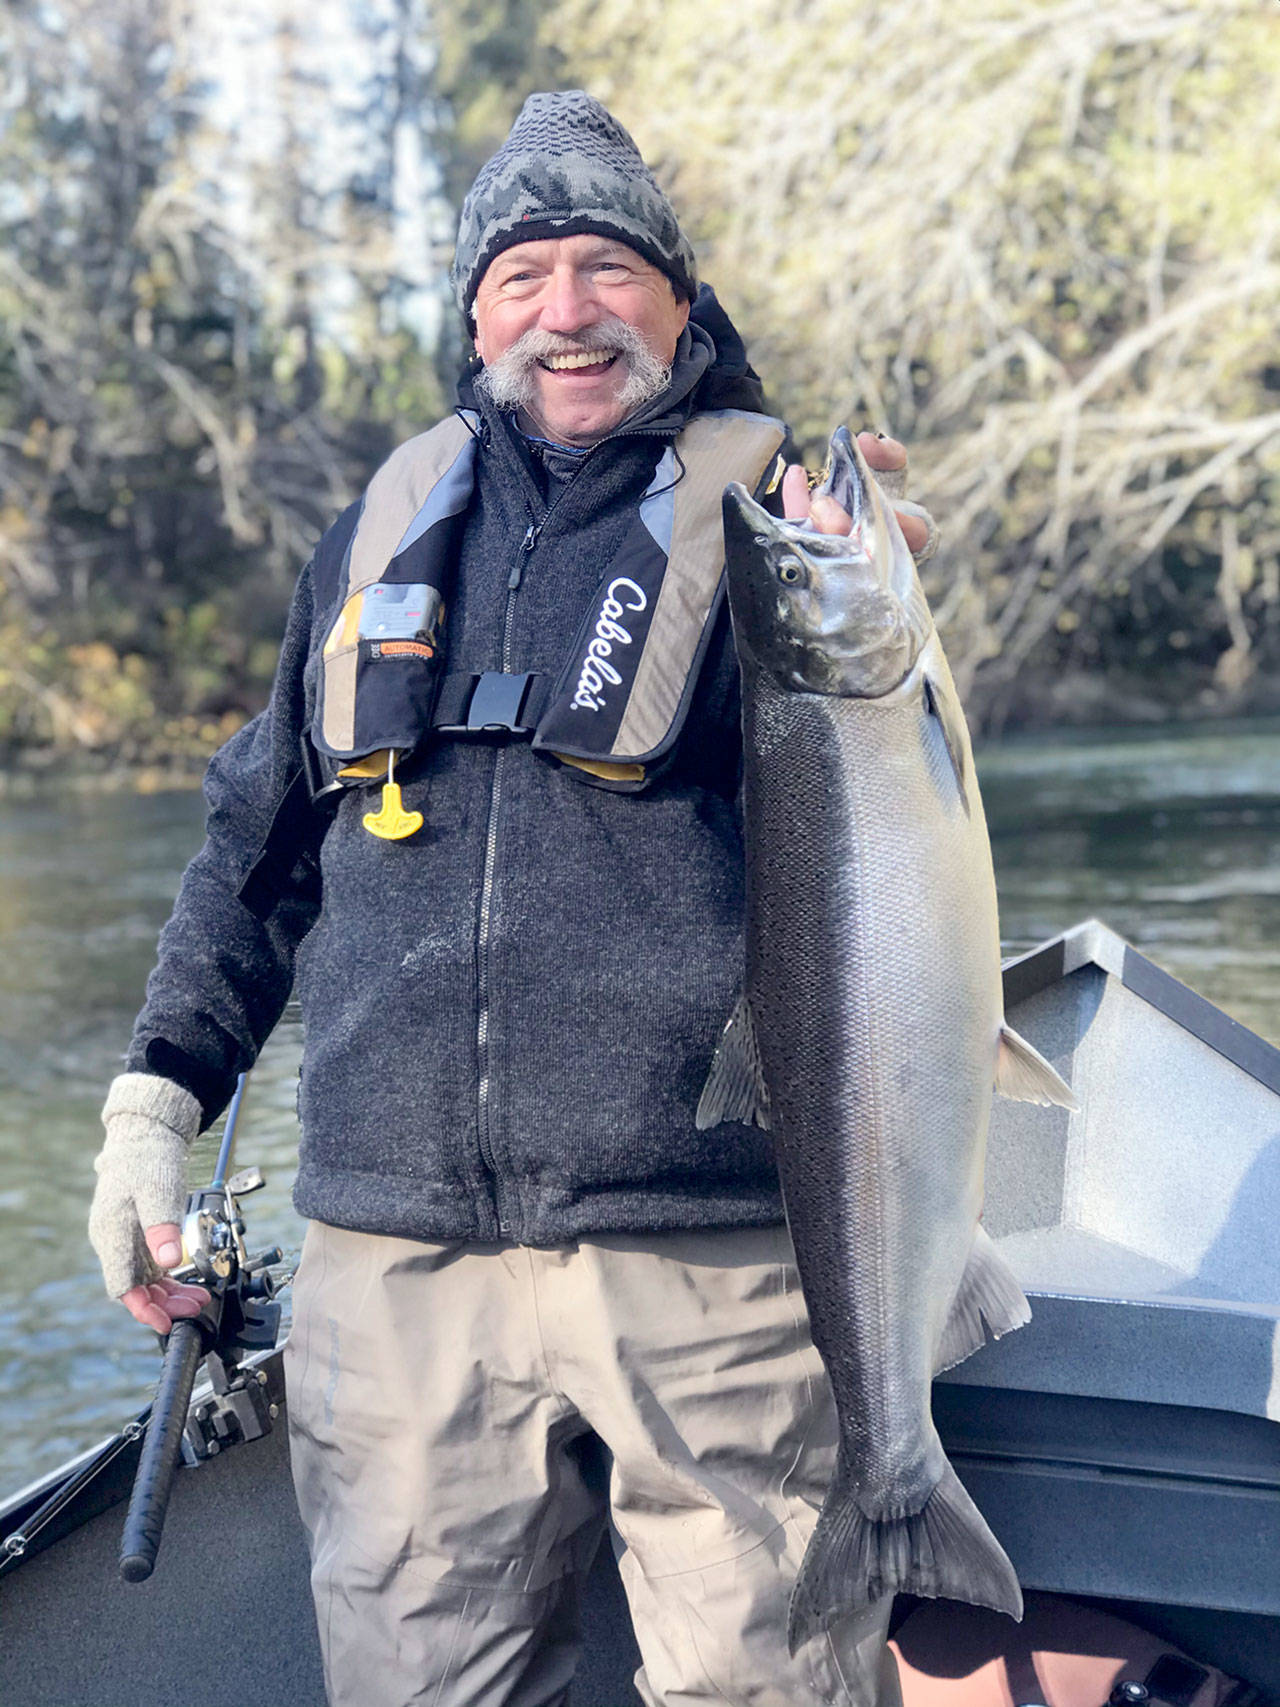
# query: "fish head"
840,614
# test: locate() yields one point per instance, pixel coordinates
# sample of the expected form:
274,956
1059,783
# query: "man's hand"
884,456
159,1303
142,1185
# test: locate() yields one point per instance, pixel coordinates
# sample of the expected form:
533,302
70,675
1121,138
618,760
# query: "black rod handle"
160,1452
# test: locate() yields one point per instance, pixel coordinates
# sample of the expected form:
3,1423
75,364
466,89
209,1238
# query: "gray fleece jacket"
508,1017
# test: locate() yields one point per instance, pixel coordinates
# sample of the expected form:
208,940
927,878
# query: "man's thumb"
165,1244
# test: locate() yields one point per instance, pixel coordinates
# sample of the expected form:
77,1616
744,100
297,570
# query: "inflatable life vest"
617,705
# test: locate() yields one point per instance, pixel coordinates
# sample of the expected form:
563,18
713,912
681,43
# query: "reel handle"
161,1450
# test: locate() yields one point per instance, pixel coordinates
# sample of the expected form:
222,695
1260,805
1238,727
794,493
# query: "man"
512,976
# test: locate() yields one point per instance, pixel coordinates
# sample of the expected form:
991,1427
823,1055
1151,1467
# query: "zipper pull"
526,546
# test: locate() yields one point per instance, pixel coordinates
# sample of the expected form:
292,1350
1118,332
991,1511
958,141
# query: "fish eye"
791,571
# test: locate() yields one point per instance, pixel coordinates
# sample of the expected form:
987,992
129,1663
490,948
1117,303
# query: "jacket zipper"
527,546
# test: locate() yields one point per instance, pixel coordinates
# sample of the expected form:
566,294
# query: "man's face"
565,296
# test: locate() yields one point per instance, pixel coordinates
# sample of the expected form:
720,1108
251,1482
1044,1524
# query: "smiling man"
577,332
525,1262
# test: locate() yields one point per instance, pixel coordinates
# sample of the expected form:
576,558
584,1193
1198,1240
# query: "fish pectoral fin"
946,709
735,1087
989,1300
1023,1074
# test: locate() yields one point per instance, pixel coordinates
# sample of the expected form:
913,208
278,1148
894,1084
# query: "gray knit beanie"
567,167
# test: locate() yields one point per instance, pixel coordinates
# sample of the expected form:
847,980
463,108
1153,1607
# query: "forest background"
1039,240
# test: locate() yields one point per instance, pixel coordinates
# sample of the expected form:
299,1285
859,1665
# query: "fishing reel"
242,1317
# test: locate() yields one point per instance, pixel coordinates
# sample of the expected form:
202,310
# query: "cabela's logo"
623,595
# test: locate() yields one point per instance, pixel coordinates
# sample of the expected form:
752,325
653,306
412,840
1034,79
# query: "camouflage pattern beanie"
567,167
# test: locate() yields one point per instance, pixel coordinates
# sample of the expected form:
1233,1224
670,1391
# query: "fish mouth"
834,614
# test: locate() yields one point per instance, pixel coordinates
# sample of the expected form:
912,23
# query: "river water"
1171,838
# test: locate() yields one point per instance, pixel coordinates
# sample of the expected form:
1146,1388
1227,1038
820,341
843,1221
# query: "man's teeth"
580,358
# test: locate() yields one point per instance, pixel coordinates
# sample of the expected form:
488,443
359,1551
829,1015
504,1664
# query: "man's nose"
570,303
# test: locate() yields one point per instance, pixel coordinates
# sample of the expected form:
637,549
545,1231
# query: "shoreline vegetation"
1041,246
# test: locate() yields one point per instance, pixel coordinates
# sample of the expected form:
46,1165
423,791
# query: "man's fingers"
914,531
182,1300
795,493
143,1308
828,517
162,1302
165,1243
798,503
884,455
889,456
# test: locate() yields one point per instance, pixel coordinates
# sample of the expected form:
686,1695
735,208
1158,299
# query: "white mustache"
511,379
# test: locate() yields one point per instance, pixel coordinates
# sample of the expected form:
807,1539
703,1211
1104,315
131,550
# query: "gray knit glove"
893,483
142,1174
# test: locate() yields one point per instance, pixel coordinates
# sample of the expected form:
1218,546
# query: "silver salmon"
870,1032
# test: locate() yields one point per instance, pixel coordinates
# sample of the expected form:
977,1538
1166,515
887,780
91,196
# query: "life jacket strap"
492,703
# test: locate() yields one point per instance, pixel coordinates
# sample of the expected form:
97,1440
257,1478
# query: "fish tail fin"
1023,1073
943,1550
989,1301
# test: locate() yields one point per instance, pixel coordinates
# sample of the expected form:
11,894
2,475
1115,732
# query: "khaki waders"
444,1404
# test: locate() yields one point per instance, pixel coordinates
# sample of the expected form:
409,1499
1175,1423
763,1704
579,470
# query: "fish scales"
870,1031
848,799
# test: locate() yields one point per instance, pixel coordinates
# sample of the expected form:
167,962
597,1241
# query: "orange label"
405,649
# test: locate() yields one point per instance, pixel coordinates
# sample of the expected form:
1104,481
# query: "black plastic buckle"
494,707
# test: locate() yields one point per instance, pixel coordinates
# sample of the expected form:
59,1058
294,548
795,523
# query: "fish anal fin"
1023,1074
988,1301
735,1087
945,1549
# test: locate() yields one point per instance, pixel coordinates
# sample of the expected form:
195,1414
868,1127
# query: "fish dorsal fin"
1023,1074
942,705
735,1087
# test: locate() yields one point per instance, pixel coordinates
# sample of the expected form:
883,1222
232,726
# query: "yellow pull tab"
391,822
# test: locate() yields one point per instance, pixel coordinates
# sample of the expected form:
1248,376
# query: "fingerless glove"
142,1171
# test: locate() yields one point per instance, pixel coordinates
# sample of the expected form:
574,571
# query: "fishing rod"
240,1317
240,1407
